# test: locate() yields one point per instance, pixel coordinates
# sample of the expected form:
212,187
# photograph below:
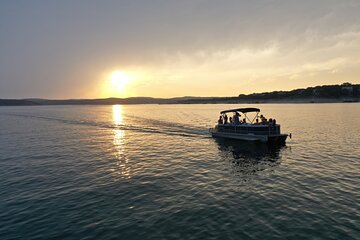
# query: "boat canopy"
242,110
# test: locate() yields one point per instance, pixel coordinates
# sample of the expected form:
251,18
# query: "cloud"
52,48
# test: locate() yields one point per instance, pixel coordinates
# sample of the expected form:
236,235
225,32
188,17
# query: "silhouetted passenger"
244,120
236,118
263,120
274,122
230,120
270,121
220,121
225,119
257,121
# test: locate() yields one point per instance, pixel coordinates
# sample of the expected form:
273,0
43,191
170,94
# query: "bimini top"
242,110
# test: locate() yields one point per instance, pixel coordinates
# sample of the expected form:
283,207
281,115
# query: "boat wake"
145,125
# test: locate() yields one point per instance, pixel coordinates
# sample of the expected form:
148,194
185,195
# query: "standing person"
225,119
263,120
231,120
220,121
236,118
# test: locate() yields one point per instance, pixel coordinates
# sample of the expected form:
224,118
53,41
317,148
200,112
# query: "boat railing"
250,129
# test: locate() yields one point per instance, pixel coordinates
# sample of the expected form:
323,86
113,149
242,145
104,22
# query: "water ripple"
153,172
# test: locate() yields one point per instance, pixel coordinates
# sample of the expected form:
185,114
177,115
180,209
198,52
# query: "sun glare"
118,84
119,79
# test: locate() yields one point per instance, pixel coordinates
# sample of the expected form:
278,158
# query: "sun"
119,80
118,83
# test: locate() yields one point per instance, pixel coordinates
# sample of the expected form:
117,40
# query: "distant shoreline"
344,93
92,102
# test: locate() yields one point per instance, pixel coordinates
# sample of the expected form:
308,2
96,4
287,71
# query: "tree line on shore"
345,92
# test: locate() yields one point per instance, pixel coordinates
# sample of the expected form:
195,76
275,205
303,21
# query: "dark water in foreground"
153,172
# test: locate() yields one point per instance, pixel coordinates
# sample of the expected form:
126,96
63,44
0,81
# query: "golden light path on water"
122,164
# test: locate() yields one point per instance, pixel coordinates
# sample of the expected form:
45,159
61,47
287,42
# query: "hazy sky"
68,49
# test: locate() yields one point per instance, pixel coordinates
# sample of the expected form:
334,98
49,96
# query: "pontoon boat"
249,130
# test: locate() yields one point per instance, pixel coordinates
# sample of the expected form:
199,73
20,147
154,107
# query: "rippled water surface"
153,172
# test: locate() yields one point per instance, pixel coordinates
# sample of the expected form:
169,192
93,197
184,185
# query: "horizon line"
66,99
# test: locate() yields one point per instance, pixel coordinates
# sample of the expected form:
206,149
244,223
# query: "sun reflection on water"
117,114
122,165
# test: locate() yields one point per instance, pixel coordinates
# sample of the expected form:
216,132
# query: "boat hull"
275,138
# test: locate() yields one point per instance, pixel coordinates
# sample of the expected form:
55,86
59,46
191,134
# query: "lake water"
153,172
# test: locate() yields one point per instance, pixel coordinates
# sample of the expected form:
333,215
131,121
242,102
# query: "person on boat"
220,121
225,119
236,118
256,121
274,122
244,121
270,121
263,120
230,120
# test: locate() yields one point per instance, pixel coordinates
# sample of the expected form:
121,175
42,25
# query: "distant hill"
105,101
15,102
345,92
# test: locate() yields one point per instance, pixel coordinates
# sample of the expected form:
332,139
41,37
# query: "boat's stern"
278,139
